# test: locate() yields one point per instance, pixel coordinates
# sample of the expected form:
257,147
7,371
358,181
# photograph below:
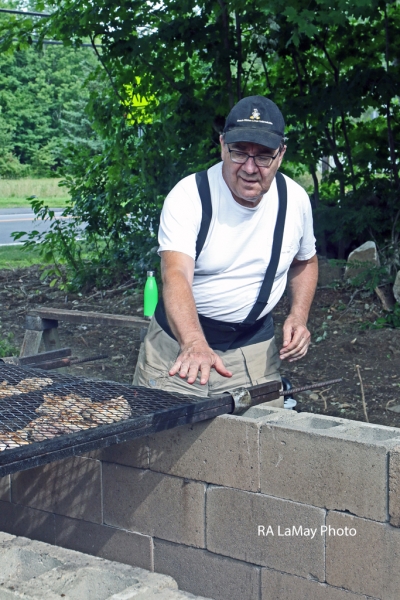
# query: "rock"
385,295
396,287
367,253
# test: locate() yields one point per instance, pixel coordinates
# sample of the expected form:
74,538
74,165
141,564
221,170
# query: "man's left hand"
296,339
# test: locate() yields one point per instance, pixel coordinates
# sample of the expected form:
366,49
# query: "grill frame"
182,410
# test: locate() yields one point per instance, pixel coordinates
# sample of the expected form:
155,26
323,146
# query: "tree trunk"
225,25
388,115
239,57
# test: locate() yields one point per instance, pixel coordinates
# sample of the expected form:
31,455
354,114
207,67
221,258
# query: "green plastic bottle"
150,295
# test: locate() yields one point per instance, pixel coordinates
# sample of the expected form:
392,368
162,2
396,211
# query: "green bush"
391,319
7,347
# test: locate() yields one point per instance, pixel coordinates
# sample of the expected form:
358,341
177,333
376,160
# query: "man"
213,331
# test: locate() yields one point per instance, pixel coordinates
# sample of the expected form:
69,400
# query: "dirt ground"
340,343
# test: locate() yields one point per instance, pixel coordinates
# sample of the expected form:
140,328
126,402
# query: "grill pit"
47,417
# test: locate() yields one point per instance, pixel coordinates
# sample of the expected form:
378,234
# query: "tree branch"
266,73
249,73
225,25
114,87
348,148
299,79
316,185
240,57
388,115
334,67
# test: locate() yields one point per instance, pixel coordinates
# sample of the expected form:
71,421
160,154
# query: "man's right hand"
198,356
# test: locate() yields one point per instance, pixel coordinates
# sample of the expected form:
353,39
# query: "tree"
39,91
331,66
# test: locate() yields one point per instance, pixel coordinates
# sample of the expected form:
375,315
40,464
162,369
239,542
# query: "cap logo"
255,114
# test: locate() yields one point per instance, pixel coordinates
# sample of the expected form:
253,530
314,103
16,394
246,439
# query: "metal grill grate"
45,418
14,375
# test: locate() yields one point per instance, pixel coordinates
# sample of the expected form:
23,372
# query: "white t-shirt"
231,267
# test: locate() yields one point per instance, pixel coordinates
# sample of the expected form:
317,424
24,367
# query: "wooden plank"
77,316
31,342
36,359
36,323
10,360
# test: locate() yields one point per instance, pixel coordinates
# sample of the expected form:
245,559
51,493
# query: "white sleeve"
307,244
181,218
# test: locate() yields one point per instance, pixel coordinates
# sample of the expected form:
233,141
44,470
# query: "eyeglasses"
261,160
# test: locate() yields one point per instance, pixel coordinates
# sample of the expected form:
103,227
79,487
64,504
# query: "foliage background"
42,101
331,66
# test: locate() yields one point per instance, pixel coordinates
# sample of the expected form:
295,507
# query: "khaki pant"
250,365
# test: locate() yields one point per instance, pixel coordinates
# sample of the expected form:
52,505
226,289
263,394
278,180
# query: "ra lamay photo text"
301,531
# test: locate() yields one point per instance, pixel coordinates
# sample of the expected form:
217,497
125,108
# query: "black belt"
222,335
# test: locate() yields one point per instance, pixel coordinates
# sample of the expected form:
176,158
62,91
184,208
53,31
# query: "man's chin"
252,199
251,195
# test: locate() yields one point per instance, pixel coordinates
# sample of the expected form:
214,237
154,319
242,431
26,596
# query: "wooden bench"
41,324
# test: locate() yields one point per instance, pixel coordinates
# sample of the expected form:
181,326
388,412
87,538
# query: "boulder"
367,253
396,287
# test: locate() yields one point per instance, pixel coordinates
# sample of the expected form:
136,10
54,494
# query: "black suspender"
266,287
270,273
203,186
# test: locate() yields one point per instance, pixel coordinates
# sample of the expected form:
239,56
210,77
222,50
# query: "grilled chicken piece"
31,384
60,415
13,439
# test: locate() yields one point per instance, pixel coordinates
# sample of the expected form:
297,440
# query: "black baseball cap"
255,119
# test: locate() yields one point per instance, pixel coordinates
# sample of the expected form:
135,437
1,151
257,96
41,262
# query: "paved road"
20,219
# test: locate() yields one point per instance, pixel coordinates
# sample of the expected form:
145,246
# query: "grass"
14,192
14,257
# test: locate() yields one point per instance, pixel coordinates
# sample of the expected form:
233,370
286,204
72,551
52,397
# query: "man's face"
247,182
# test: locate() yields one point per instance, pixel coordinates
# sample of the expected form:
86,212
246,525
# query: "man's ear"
223,146
280,159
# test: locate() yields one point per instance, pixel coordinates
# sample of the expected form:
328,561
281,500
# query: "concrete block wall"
264,506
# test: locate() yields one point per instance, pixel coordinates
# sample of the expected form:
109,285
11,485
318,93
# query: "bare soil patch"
337,318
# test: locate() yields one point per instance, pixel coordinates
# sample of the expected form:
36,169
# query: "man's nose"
250,166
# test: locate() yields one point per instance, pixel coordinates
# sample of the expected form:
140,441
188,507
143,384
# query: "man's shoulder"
187,186
186,183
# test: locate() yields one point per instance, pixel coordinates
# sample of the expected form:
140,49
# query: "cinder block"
154,504
276,585
326,462
70,487
394,487
206,574
365,563
266,531
223,451
107,542
131,454
35,323
27,522
5,489
5,538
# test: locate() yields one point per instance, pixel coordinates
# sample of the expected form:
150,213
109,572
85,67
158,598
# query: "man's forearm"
302,282
196,356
